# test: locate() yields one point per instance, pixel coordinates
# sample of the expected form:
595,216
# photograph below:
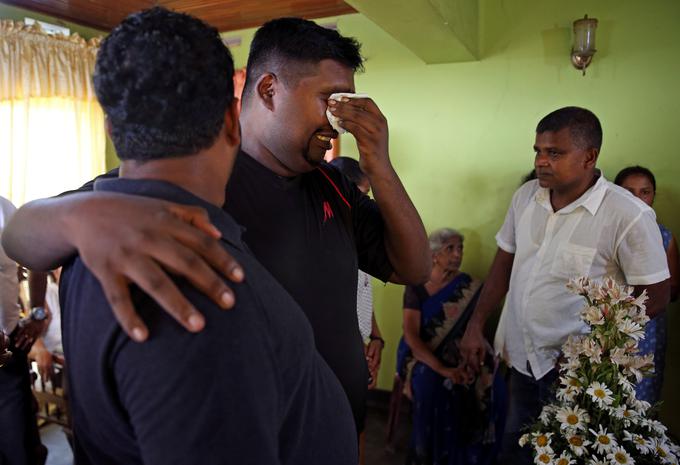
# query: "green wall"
461,134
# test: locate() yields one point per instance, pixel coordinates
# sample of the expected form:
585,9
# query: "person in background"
49,343
457,419
569,222
19,438
249,389
640,182
368,327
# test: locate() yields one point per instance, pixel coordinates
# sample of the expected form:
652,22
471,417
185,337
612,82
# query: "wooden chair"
52,398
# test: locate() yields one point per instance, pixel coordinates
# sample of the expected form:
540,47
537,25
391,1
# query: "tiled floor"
374,454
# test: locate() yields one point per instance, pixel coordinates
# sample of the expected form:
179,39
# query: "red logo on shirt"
327,211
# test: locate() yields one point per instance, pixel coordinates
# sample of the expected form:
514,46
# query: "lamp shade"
584,36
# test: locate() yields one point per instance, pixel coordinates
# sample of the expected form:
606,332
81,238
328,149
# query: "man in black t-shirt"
250,388
305,222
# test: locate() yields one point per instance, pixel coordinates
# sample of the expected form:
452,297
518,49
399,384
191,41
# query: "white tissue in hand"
334,119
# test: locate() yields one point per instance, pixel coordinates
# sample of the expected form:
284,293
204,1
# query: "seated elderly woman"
457,418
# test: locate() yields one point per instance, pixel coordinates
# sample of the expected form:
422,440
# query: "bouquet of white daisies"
596,419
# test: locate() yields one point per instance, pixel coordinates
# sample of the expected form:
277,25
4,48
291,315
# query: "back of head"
285,45
164,80
350,168
636,170
584,127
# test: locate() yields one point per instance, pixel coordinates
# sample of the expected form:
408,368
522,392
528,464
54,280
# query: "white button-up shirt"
9,287
605,232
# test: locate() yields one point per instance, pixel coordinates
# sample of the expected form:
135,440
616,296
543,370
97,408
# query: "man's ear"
591,157
266,89
232,128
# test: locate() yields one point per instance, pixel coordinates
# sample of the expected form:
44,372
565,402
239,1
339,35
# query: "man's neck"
253,146
198,174
560,199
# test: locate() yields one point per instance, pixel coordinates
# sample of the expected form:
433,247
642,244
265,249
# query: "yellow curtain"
52,134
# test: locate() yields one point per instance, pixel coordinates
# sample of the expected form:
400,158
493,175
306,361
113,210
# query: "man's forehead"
561,136
329,75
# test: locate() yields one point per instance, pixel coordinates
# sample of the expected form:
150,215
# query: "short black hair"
165,81
350,168
633,171
584,127
287,44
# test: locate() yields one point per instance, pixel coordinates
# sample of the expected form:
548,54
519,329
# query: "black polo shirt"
249,389
312,232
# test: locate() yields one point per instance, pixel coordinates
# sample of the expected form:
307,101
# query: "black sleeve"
368,227
89,185
207,398
412,298
369,234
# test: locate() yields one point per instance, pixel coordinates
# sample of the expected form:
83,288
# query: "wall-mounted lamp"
584,43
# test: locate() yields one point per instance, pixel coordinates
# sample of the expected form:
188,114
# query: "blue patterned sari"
452,424
655,341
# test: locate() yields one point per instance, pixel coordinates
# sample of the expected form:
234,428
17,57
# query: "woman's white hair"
441,236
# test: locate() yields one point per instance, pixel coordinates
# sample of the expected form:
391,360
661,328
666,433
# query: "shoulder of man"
620,203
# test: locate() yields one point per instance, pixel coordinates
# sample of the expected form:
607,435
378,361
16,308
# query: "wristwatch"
38,313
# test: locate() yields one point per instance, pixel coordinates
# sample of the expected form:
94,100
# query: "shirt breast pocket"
573,261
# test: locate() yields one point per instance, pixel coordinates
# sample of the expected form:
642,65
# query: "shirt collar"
590,200
231,231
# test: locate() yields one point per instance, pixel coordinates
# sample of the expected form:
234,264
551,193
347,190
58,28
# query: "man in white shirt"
567,223
19,437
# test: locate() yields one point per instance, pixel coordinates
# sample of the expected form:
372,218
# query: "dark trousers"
527,397
19,436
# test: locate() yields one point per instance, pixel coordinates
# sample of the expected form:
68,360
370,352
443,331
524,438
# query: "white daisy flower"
604,441
662,450
524,439
640,443
577,444
626,385
657,426
600,393
565,459
619,456
546,414
597,461
541,440
572,418
626,414
544,458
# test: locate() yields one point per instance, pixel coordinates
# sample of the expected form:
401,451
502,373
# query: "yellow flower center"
640,441
599,393
576,441
620,458
562,461
661,452
626,413
542,441
572,419
602,439
544,458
